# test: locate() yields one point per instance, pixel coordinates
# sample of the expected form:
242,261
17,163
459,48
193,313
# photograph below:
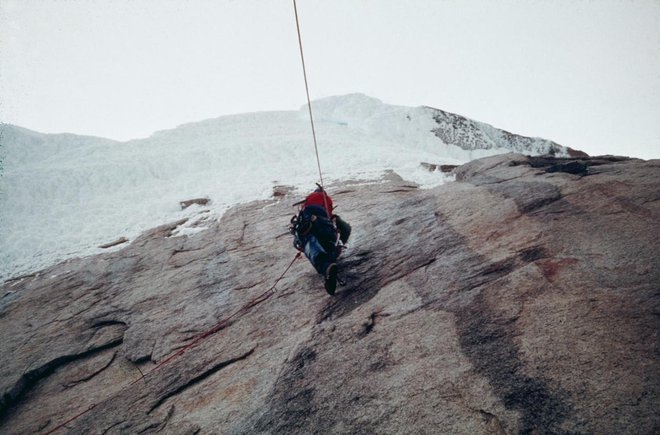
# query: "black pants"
344,229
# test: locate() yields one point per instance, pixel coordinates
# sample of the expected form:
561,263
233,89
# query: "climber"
320,234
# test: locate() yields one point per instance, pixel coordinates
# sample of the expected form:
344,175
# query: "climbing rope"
309,107
218,326
74,418
223,323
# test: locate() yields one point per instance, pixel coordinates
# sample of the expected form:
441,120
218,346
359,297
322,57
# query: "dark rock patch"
119,241
491,347
187,203
432,167
529,195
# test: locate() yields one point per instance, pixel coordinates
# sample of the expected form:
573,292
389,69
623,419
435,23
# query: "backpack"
313,220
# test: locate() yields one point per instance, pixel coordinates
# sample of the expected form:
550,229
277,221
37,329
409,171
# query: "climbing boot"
331,279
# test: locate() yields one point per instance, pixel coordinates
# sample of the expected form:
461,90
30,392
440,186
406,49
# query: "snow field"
64,195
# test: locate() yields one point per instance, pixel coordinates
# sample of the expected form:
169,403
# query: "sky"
585,74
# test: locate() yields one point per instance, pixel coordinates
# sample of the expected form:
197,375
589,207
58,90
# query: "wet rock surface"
515,300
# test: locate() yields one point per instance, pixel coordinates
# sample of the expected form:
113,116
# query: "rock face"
468,134
187,203
523,298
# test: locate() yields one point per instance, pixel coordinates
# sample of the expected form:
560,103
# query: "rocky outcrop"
522,298
117,242
431,167
199,201
468,134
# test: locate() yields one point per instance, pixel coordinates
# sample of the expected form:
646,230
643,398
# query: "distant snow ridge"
472,135
379,119
64,195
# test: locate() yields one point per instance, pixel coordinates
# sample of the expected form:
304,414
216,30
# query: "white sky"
583,73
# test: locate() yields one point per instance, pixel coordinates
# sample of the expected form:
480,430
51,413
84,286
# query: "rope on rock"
218,326
223,323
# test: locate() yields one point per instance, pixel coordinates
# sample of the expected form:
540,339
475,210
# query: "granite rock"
515,300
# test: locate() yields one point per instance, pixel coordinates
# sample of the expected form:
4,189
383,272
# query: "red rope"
220,325
223,323
92,406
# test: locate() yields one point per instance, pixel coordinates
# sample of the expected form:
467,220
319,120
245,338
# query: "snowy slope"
63,195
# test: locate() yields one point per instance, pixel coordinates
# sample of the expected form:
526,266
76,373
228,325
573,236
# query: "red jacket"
316,198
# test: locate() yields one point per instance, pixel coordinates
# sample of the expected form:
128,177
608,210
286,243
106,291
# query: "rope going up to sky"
309,106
